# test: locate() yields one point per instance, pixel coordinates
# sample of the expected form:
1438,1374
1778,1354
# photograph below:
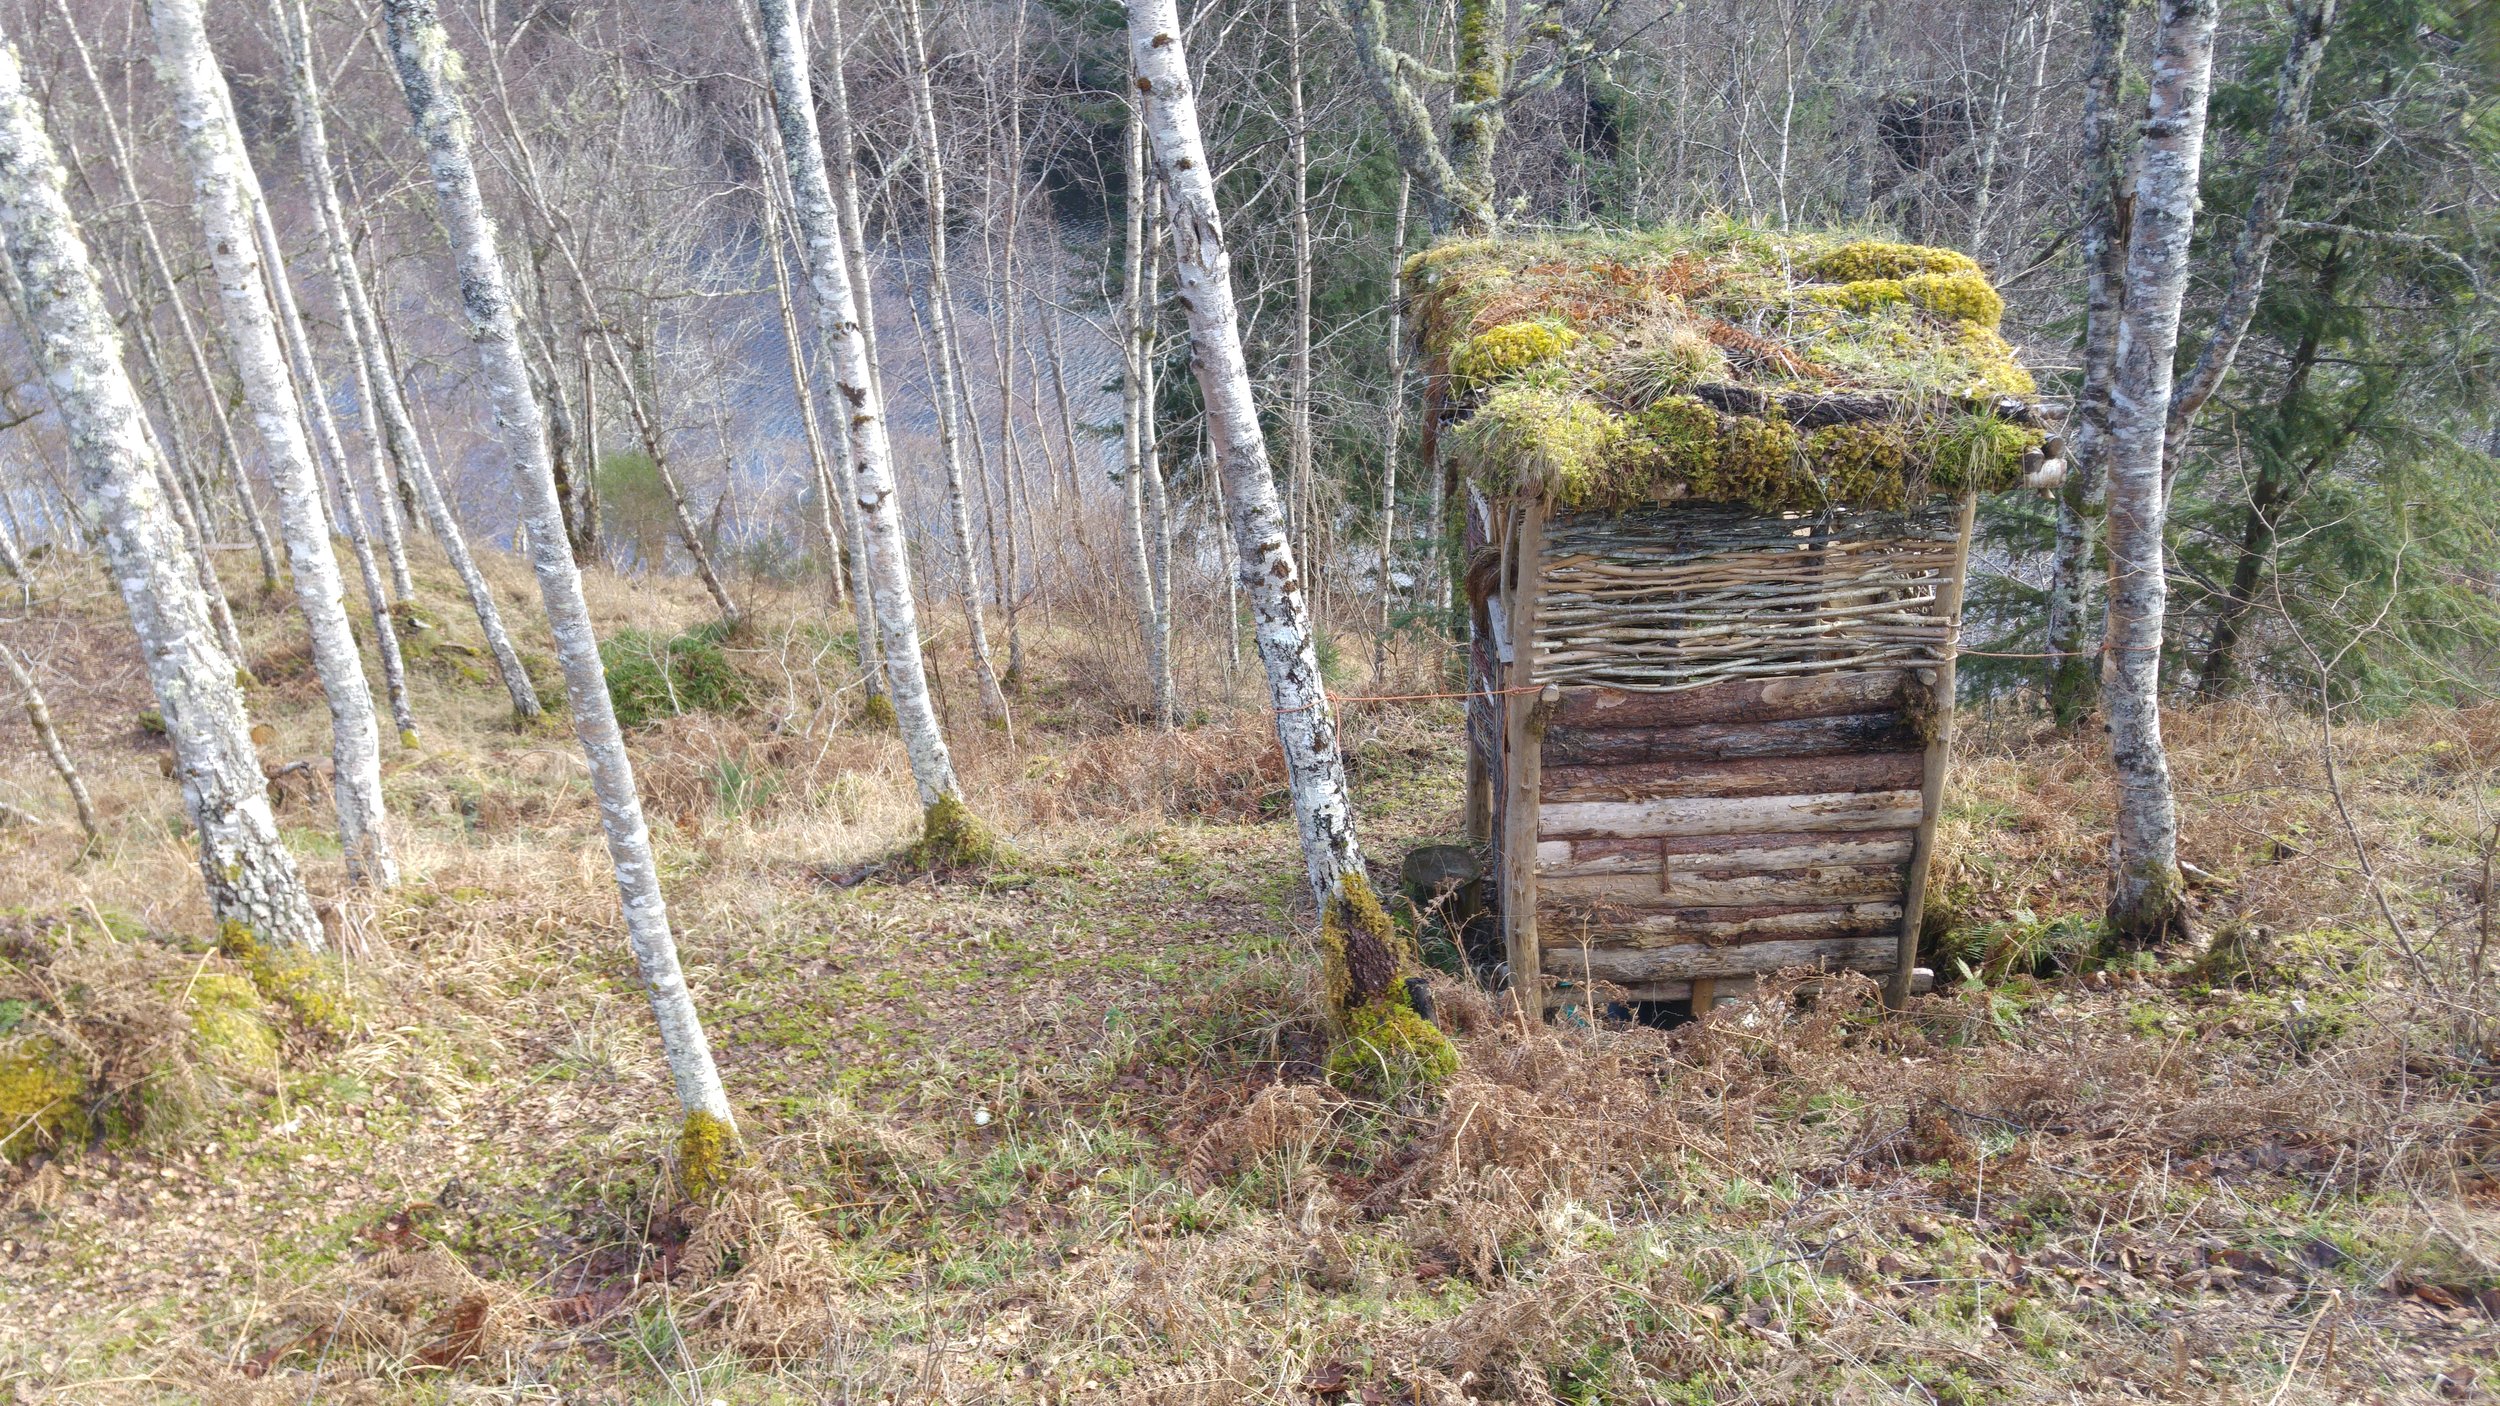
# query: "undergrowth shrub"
649,677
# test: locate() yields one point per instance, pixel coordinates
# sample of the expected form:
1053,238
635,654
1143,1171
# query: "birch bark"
1395,431
2287,132
1367,960
1136,430
252,882
846,344
855,257
224,194
2147,900
2071,675
949,396
422,55
298,344
164,270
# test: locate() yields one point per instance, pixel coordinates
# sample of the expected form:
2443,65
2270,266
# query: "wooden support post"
1479,790
1939,749
1524,719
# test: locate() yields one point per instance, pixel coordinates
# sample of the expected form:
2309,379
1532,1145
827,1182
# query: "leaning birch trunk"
2287,133
1368,962
948,830
421,53
399,435
2147,899
2071,676
39,717
1302,512
839,487
312,150
298,343
224,193
1134,430
164,270
949,399
254,891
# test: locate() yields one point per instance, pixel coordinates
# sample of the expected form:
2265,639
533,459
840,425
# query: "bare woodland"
755,639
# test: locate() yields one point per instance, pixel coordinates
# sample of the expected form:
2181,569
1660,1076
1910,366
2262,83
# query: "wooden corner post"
1932,776
1523,719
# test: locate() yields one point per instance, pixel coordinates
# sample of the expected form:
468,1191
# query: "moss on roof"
1722,362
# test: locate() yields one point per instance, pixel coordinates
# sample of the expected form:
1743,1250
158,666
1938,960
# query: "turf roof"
1724,363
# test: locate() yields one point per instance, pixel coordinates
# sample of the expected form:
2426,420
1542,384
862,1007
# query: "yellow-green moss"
1382,1043
1504,352
309,988
1534,437
952,837
876,711
1864,259
42,1096
1964,296
228,1024
1588,351
707,1151
1865,295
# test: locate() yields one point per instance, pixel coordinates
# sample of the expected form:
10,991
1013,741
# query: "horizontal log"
1690,961
1717,815
1753,854
1748,776
1743,700
1836,883
1601,924
1884,731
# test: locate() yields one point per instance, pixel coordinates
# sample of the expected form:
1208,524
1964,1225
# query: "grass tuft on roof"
1790,371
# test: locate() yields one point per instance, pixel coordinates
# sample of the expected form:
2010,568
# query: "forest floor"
1054,1132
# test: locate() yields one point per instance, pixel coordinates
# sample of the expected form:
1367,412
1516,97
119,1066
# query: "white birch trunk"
422,55
2071,678
252,882
1202,268
1137,432
1395,430
312,147
846,345
164,270
1366,964
1303,511
399,435
298,343
949,390
855,256
224,193
2146,898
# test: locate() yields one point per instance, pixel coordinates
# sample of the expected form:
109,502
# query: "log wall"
1679,821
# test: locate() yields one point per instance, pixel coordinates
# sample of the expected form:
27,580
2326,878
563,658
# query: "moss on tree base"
311,989
952,838
1382,1043
877,711
707,1152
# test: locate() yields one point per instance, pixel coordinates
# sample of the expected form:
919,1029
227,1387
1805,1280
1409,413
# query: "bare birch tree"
162,266
254,890
2148,901
947,828
948,358
225,196
1367,960
1154,618
2072,679
422,55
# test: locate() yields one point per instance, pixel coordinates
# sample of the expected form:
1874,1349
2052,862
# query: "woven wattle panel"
1700,595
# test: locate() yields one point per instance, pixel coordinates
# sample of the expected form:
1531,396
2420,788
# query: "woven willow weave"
1698,595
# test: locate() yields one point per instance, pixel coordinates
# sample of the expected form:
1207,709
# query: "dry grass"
1057,1136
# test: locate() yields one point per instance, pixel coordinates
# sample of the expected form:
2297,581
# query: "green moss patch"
1725,363
651,678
